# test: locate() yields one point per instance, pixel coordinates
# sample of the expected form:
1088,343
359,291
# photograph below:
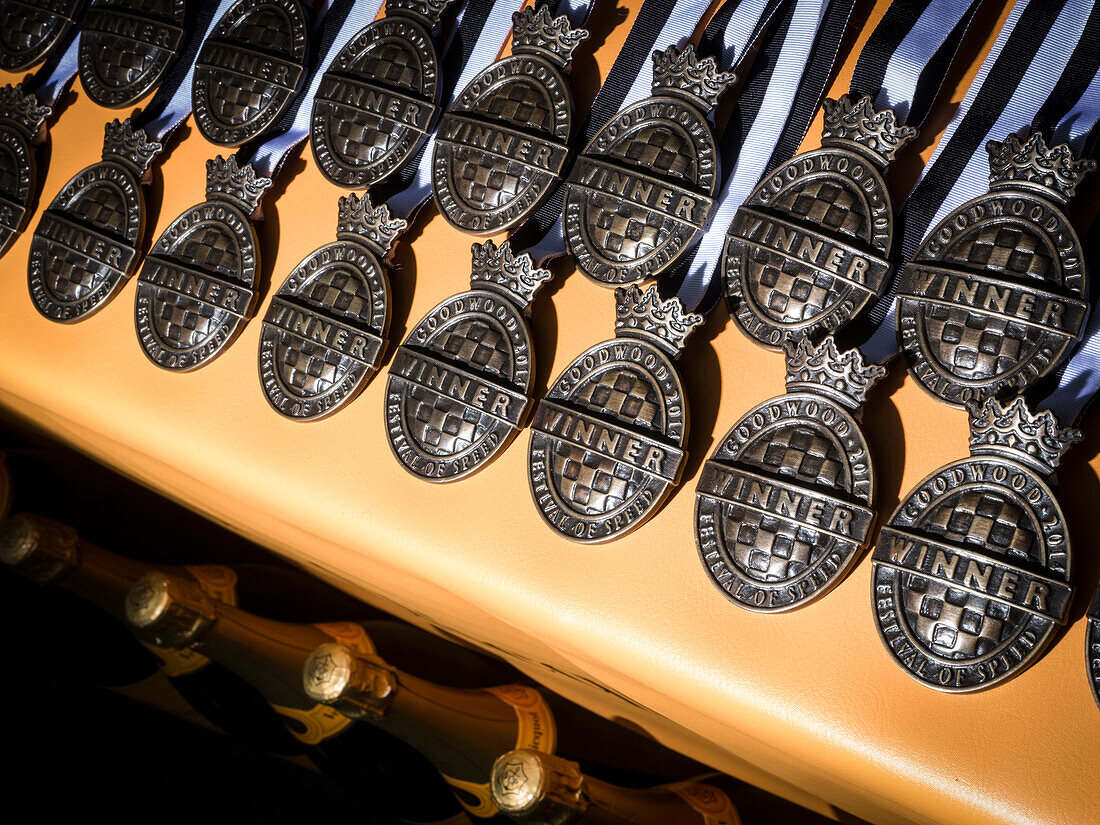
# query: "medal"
379,96
995,295
786,503
126,46
607,441
460,385
325,331
22,122
1092,646
28,31
197,286
250,69
809,248
503,144
85,246
638,197
971,573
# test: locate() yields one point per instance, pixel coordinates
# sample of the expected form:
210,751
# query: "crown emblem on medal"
679,72
130,145
359,217
1032,438
858,122
1033,163
430,9
21,108
496,267
823,369
224,178
536,30
646,315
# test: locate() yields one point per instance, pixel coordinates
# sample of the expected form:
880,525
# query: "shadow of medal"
196,290
459,388
85,247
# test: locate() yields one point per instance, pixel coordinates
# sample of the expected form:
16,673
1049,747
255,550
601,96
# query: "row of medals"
971,574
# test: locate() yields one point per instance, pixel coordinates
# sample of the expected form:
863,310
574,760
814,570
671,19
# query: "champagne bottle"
464,731
537,788
47,552
174,613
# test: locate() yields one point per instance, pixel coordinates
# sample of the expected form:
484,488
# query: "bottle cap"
529,784
43,551
168,612
357,686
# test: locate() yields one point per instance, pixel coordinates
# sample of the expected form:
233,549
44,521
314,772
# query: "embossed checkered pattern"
826,203
118,62
592,483
310,368
975,345
235,99
953,622
439,424
24,28
69,275
185,322
789,291
774,549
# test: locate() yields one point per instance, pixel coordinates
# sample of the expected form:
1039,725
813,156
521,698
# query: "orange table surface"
808,704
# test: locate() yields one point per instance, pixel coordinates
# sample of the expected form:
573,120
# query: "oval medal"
196,288
325,330
809,248
126,46
29,30
971,574
379,96
460,384
638,197
1092,646
786,503
995,294
21,122
502,146
249,70
607,440
85,247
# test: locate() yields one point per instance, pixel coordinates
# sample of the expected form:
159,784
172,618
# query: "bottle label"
711,802
178,662
216,581
350,634
536,731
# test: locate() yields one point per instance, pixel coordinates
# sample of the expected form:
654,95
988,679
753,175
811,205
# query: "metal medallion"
810,247
29,30
250,69
22,127
379,97
638,198
1092,646
459,387
786,503
996,293
970,576
85,247
607,441
325,331
126,46
197,286
502,146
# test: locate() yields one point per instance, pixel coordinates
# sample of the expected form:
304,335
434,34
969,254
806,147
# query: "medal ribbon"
780,97
1042,42
336,23
481,30
660,23
171,104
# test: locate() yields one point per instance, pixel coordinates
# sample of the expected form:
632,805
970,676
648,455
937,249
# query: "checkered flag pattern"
237,100
69,275
360,139
183,323
623,231
26,27
487,182
953,622
309,369
440,425
768,548
118,63
979,346
592,483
